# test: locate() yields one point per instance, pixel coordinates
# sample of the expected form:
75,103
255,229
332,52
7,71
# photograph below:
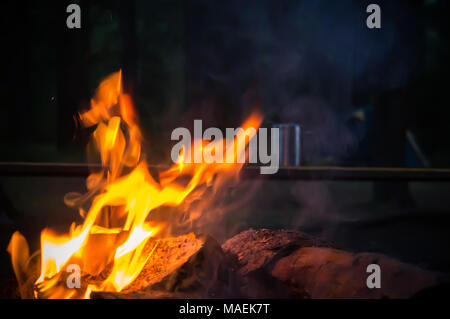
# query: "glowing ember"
117,226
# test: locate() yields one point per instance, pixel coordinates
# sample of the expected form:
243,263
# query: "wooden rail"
249,172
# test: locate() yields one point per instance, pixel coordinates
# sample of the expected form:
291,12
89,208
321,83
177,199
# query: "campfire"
121,250
116,241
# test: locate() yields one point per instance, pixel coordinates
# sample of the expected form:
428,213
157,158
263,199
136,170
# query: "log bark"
184,267
236,269
268,264
307,268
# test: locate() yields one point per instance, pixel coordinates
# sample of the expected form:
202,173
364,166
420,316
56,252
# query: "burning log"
276,264
174,265
332,273
234,270
181,267
171,267
260,264
255,250
307,268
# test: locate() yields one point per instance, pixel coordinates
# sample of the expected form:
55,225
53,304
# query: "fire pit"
121,250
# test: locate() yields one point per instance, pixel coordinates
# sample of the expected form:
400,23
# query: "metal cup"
289,144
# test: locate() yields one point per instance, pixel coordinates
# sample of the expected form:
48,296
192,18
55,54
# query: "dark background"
310,62
358,93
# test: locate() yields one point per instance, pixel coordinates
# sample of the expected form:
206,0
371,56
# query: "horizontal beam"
330,173
310,173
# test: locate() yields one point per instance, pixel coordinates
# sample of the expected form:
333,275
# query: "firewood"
184,266
266,264
169,254
302,267
254,249
234,270
332,273
166,255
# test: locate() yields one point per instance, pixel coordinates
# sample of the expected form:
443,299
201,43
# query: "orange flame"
117,227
